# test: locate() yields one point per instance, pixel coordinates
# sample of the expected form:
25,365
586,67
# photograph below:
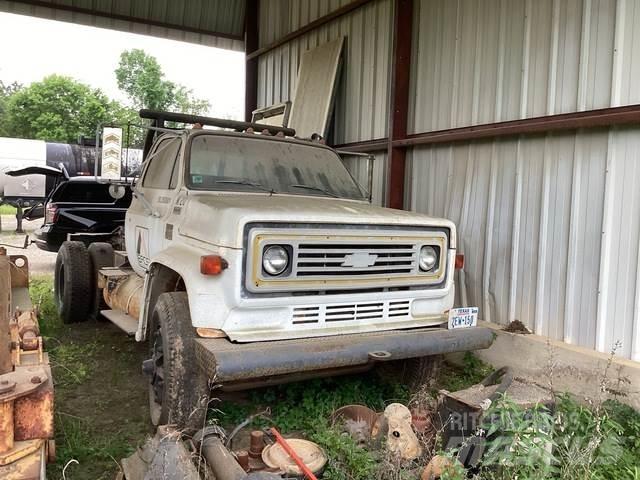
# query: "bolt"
35,379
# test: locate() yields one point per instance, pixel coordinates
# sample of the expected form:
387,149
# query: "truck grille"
317,261
394,309
341,260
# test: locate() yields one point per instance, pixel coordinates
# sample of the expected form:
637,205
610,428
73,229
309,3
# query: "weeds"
7,210
472,371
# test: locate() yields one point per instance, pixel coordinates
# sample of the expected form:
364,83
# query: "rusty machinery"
26,385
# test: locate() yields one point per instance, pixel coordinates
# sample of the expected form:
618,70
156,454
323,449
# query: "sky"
32,48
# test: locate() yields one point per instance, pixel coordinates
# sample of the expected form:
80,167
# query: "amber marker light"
212,264
459,261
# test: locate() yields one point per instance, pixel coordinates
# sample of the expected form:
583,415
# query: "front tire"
178,392
73,282
415,373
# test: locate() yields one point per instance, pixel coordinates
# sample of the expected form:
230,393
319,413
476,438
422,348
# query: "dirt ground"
101,398
40,262
100,393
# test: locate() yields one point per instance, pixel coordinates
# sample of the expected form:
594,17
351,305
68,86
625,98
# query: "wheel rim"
156,382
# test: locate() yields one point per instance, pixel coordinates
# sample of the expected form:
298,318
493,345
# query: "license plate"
463,317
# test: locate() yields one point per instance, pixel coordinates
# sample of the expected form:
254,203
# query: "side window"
160,172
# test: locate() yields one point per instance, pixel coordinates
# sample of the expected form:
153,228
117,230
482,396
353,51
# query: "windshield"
252,164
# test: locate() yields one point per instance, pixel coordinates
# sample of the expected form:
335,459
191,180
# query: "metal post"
399,106
6,365
251,43
19,212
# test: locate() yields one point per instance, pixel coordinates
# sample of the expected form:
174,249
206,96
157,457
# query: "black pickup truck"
77,205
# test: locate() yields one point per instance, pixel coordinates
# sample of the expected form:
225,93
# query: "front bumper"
227,362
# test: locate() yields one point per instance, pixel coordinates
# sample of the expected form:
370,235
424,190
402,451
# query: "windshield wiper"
248,184
317,189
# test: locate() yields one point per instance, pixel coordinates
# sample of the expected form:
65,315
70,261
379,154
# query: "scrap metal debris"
26,385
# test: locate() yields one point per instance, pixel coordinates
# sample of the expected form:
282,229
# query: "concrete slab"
567,368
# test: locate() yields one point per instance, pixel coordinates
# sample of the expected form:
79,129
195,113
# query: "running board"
124,322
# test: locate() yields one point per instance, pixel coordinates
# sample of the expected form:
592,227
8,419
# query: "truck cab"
256,258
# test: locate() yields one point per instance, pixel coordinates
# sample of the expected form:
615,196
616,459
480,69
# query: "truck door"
147,216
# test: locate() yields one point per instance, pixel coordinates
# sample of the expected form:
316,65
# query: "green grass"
100,400
7,210
101,412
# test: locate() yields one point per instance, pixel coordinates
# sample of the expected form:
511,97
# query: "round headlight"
428,258
275,260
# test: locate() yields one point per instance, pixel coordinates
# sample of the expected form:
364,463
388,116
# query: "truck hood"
219,219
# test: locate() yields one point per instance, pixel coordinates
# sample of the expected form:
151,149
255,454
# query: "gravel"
40,262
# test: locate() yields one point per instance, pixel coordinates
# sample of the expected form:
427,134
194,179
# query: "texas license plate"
463,317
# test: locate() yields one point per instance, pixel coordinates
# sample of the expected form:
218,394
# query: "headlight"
275,260
428,258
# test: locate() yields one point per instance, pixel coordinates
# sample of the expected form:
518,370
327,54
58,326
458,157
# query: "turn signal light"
459,261
212,264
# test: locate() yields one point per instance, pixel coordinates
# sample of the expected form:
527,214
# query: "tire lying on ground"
178,392
73,282
101,255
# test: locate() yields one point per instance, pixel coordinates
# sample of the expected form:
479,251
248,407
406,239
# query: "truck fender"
174,267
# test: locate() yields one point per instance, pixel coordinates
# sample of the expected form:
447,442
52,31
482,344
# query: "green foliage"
472,371
520,441
7,210
140,76
57,109
41,292
6,91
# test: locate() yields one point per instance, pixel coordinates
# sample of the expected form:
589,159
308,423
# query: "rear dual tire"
77,295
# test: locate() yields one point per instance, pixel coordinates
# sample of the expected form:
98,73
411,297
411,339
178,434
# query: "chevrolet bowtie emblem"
359,260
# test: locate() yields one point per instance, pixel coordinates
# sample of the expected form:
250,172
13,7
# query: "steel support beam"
399,105
251,43
349,7
604,117
600,118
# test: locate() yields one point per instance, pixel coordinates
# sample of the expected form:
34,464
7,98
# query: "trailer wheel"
101,254
73,282
415,373
178,392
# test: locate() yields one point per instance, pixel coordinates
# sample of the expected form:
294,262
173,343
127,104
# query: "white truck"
254,259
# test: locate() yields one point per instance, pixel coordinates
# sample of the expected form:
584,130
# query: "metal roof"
215,23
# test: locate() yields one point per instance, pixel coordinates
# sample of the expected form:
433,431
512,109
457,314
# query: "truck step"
124,322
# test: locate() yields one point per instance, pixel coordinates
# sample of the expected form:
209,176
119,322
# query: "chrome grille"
348,312
344,260
328,260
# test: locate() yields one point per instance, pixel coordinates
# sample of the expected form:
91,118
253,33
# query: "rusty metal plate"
33,414
27,380
29,466
19,271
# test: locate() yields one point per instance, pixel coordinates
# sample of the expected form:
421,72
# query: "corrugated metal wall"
550,224
361,111
224,16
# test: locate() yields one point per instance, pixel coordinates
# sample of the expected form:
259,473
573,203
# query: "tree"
140,76
58,109
6,91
